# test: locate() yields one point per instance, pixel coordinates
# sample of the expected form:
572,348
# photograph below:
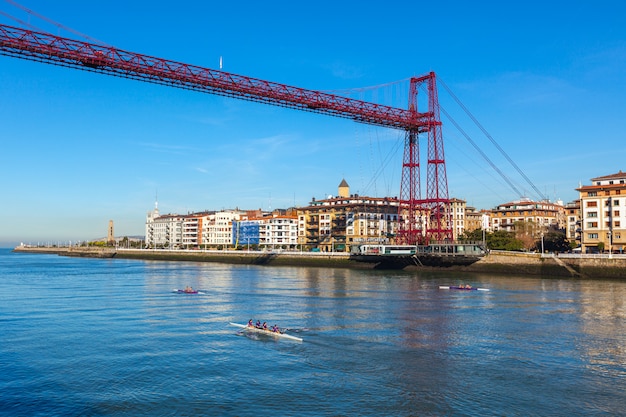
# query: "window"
616,223
616,213
592,235
592,224
592,214
592,204
592,194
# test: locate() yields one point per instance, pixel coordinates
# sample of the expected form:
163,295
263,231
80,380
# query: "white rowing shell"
446,287
267,332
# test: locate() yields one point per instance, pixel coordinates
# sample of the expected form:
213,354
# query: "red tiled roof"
620,174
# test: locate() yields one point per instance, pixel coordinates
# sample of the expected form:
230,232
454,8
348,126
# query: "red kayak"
186,291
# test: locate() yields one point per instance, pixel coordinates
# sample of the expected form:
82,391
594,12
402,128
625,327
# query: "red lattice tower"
424,220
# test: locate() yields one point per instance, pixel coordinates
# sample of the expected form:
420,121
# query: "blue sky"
545,79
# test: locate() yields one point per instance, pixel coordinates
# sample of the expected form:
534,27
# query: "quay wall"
496,262
335,260
564,265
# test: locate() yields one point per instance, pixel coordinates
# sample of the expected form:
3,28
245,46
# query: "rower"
250,324
275,329
264,325
258,324
188,289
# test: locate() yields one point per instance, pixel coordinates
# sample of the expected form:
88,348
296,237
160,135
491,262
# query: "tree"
503,240
471,236
525,232
554,241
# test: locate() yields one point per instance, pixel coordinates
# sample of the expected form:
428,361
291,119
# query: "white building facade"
603,214
164,231
278,232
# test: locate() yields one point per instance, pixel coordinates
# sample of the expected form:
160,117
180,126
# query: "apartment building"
602,216
276,230
542,214
475,219
335,223
279,231
573,221
457,217
193,225
219,228
163,231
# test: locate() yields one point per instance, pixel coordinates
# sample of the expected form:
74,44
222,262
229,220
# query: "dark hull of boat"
402,261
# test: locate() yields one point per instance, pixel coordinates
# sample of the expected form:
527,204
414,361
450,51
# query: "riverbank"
496,262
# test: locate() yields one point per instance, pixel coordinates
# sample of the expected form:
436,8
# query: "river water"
108,337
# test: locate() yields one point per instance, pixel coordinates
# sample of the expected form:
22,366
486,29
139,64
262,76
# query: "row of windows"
594,214
616,223
617,236
607,192
606,203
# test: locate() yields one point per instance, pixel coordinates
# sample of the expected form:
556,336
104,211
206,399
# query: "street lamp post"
541,243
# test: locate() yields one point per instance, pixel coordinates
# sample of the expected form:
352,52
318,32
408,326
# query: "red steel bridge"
422,220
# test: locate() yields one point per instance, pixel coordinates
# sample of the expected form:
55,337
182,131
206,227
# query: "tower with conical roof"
344,189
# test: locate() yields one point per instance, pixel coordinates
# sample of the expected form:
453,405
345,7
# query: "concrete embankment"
574,266
335,260
496,262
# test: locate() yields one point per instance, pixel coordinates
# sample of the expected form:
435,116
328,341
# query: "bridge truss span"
413,209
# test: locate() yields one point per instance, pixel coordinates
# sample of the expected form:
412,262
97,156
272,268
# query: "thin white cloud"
344,71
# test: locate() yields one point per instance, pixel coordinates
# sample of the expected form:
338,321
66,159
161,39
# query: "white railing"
592,255
236,252
562,255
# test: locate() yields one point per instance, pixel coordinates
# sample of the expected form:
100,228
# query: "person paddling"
275,329
264,325
258,324
250,324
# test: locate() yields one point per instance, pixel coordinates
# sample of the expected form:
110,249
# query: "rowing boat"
461,288
266,332
177,291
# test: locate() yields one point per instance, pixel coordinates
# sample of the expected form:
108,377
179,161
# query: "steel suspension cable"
493,141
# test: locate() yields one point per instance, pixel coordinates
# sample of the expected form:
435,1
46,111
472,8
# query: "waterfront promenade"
588,266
